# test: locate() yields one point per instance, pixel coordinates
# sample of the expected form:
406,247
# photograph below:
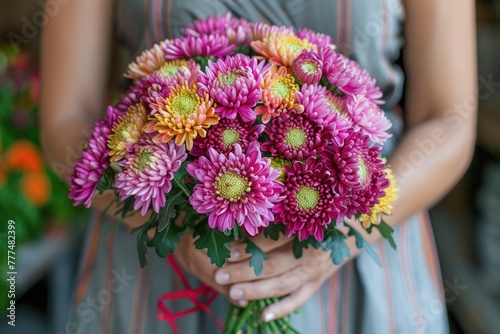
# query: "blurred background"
49,230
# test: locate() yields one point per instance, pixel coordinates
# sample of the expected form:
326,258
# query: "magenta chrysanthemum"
234,84
315,38
237,187
316,102
131,97
236,30
223,137
358,170
151,87
295,137
89,169
148,173
206,46
369,119
310,203
308,67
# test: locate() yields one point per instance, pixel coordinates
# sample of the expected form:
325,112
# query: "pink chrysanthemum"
148,62
342,73
205,46
281,49
148,172
358,170
369,119
316,38
176,72
225,135
308,67
234,84
315,101
295,137
260,31
236,30
279,94
89,169
310,203
238,187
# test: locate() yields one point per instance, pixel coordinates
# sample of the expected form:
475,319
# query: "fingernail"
234,256
236,293
269,316
221,277
242,303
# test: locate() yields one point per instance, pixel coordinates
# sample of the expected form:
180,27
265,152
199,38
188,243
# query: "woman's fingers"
267,288
290,303
266,244
278,261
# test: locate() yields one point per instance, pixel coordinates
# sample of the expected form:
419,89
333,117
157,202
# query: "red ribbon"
162,311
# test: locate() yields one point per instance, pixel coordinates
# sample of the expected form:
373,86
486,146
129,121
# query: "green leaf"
258,256
386,232
179,178
107,180
126,207
214,241
298,247
167,239
334,241
273,231
361,243
169,211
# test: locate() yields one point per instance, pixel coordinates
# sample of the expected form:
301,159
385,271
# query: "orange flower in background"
36,188
24,156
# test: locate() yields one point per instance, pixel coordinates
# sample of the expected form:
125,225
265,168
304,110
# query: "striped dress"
114,295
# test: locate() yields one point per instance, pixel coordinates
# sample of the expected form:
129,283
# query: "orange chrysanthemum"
23,156
127,131
282,49
279,94
147,63
36,188
183,115
385,205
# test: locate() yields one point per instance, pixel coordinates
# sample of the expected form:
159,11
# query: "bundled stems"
247,320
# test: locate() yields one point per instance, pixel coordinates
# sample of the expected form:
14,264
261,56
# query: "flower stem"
231,319
244,316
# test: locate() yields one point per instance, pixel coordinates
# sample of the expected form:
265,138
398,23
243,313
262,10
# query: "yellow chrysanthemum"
385,205
282,49
184,115
279,94
147,63
128,129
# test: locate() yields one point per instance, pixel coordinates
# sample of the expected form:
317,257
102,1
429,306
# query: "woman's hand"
197,262
283,275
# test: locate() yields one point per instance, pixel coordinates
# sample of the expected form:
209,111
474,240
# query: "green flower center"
309,67
362,169
229,78
307,198
169,70
295,138
229,137
231,186
185,103
280,89
143,160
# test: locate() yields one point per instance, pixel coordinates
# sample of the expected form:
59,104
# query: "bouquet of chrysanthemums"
244,128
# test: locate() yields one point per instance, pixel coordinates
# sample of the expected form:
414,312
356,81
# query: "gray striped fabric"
113,295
